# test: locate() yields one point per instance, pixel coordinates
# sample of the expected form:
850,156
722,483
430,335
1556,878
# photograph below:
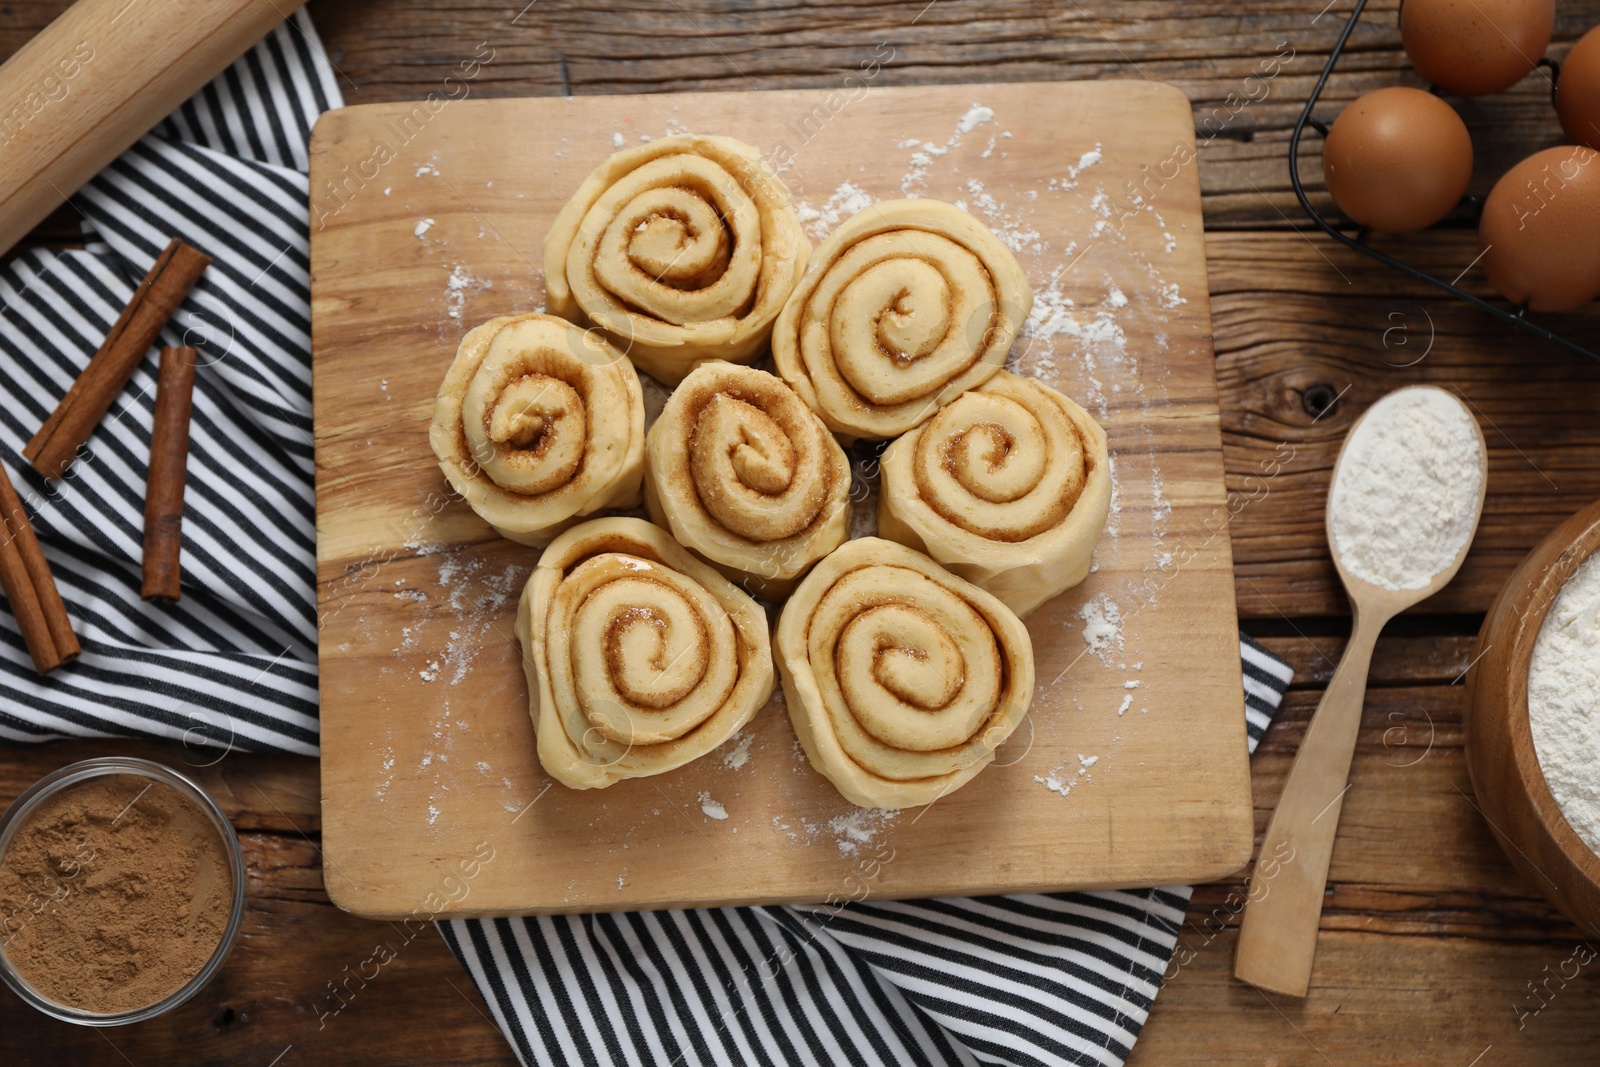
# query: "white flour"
739,755
712,809
1564,701
860,826
1406,498
1102,624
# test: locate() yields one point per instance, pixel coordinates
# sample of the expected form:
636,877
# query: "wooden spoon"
1278,935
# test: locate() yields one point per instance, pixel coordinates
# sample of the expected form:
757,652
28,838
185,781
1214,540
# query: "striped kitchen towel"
233,664
1035,980
1064,978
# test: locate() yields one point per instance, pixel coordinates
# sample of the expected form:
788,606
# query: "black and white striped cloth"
1036,980
1043,979
234,662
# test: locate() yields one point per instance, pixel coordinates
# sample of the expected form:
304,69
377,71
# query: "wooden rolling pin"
97,79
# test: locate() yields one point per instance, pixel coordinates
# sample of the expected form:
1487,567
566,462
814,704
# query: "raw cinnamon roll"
681,249
746,475
538,424
639,657
1008,486
901,678
907,305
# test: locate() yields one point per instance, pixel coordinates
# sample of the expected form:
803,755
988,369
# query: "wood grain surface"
1434,949
1130,766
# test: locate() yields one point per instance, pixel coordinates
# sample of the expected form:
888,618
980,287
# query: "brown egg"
1397,159
1578,91
1476,47
1541,230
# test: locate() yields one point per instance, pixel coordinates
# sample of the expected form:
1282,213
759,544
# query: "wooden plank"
1247,77
1293,332
1432,947
257,792
1401,659
427,748
1381,999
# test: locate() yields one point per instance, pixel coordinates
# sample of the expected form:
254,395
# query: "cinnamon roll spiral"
746,475
907,305
537,424
639,657
901,678
1009,486
681,249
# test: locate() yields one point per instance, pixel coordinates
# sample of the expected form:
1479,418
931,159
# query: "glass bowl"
73,774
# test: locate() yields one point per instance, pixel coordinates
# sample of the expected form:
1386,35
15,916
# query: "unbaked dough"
901,679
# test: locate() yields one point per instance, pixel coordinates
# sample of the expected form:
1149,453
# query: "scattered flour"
739,755
711,809
1085,161
1061,779
1098,341
1102,625
1160,506
925,152
860,826
1054,782
1564,700
386,762
423,226
1051,315
847,200
976,116
617,140
456,287
1406,498
1114,518
1012,229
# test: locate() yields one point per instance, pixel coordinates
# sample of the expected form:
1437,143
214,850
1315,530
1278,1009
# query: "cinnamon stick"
169,457
30,588
171,278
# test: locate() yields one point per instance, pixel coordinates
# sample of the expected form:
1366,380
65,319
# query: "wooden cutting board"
428,219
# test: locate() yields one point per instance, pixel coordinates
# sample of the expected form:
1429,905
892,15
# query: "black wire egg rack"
1357,240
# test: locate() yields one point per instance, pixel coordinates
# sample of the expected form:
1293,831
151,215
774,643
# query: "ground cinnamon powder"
114,894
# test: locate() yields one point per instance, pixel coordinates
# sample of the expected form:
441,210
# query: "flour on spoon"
1405,500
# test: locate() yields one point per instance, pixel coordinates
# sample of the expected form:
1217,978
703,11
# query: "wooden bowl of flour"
1513,795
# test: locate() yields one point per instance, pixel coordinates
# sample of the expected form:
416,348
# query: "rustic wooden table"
1433,950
